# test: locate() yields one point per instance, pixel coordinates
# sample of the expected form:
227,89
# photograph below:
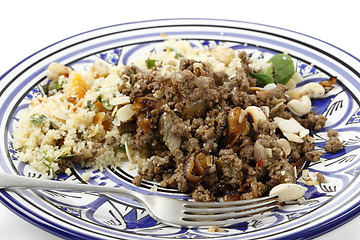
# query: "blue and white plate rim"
326,226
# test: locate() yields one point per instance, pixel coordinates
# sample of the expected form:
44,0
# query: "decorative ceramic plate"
92,216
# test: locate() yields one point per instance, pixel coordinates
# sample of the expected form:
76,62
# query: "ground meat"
246,154
270,97
231,165
243,99
110,141
177,180
63,165
201,194
332,133
198,102
266,128
299,149
313,156
280,110
312,121
137,180
282,172
186,64
333,145
320,177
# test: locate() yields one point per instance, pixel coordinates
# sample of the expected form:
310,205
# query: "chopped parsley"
89,105
45,88
37,119
47,162
107,105
150,63
55,85
122,148
179,55
67,156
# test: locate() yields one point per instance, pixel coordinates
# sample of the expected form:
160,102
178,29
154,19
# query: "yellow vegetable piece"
98,118
76,87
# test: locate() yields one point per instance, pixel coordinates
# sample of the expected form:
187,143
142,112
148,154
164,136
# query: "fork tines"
222,213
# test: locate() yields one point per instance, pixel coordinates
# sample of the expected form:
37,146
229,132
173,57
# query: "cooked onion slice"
196,166
237,127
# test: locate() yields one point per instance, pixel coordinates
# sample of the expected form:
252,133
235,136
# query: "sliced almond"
293,137
114,111
304,132
128,153
93,132
290,126
277,106
288,191
255,89
60,115
285,146
276,121
119,101
268,152
269,86
124,113
64,152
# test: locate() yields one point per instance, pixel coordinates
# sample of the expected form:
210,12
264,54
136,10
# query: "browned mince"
197,108
333,144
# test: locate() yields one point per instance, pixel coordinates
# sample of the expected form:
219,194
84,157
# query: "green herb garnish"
283,68
45,88
263,78
281,71
55,85
67,156
150,63
179,55
89,105
107,105
122,148
37,119
47,162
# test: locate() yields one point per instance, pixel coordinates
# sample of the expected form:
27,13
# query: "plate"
92,216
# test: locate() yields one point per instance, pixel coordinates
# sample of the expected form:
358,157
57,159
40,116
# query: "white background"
28,26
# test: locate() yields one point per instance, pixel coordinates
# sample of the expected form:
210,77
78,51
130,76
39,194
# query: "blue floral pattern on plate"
98,215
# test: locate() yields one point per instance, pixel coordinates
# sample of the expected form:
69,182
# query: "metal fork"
164,209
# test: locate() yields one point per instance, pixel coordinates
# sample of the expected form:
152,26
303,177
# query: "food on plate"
212,122
288,191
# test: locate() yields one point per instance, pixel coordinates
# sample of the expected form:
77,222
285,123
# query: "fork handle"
9,181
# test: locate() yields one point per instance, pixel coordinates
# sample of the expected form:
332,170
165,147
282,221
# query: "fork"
166,210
